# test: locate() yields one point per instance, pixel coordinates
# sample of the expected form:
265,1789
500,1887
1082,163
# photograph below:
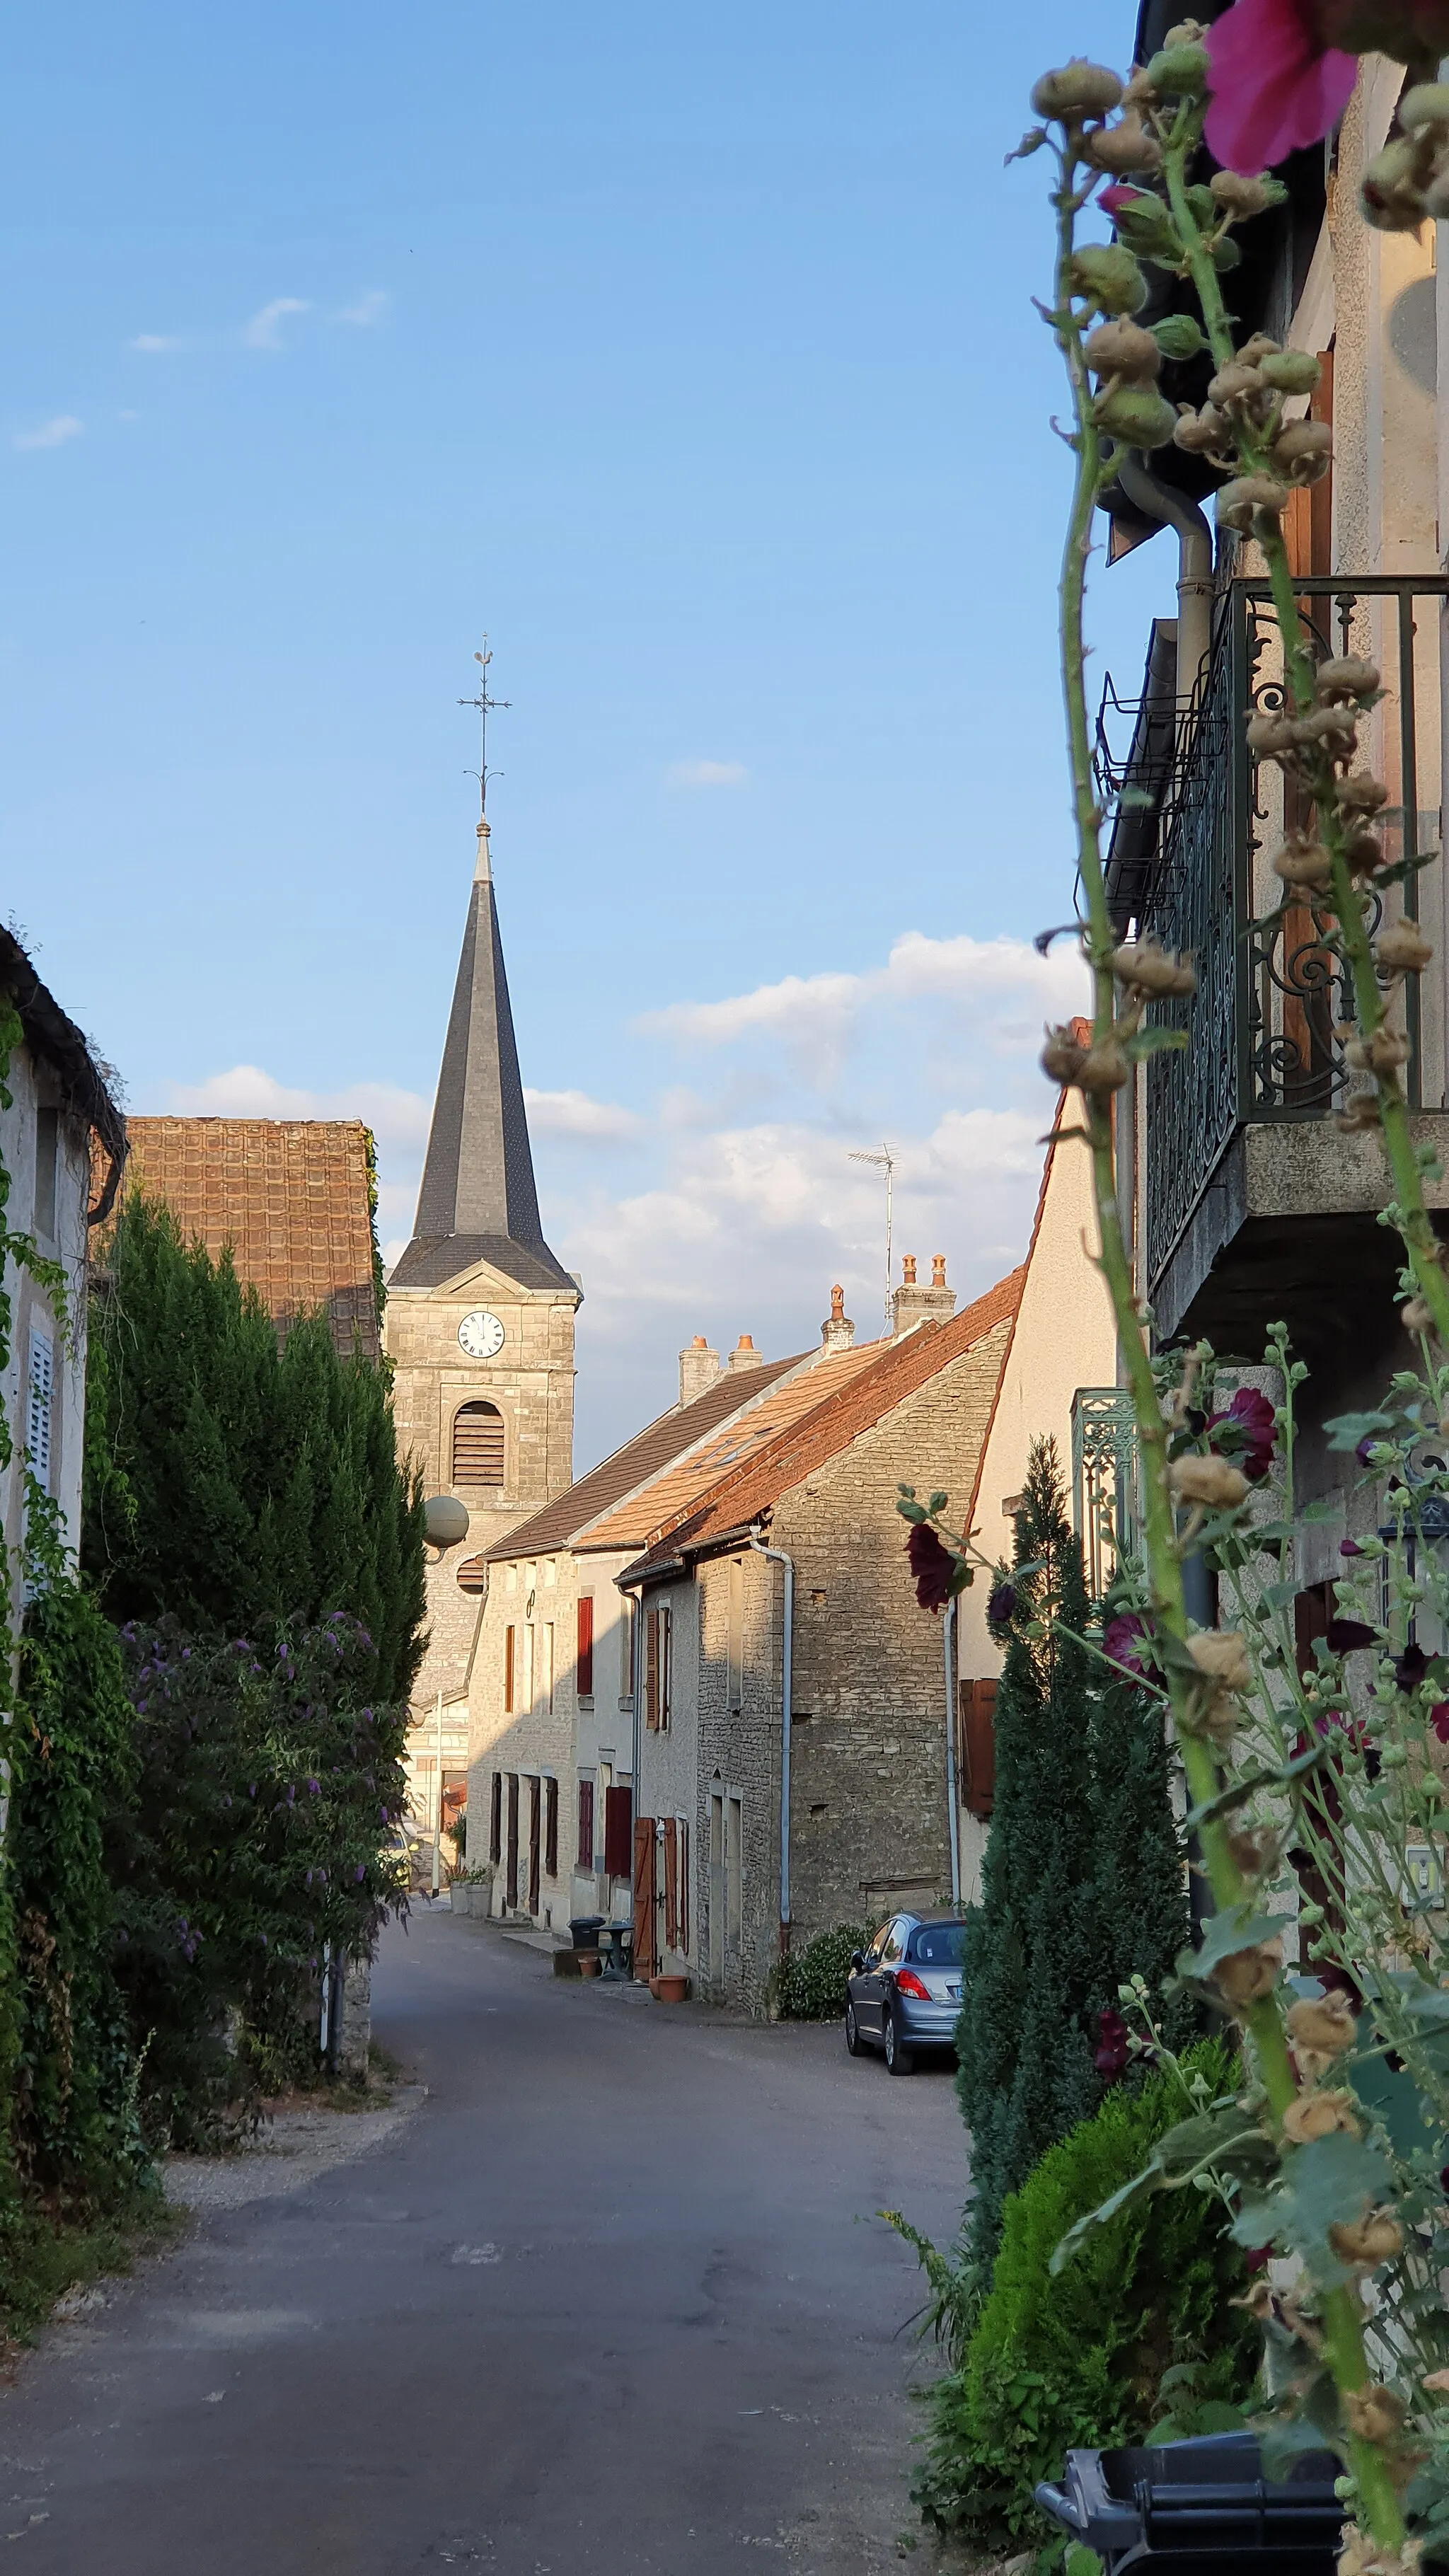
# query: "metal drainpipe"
1194,565
948,1640
778,1557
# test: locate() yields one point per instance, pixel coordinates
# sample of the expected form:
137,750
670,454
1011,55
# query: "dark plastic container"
1200,2508
586,1929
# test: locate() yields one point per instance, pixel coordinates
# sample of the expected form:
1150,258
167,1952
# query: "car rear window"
938,1945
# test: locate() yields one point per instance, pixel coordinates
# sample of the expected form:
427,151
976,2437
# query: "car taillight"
908,1983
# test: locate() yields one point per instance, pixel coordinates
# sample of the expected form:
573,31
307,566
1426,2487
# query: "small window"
585,1653
473,1575
586,1825
47,1145
477,1445
893,1946
510,1668
38,1403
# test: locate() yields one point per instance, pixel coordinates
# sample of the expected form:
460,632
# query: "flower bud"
1388,1049
1402,947
1318,2115
1361,793
1221,1658
1079,90
1105,274
1238,503
1391,192
1346,677
1178,336
1427,103
1325,2024
1206,1480
1303,450
1302,862
1145,968
1125,150
1262,345
1245,1976
1239,197
1289,371
1103,1068
1234,383
1416,1318
1179,71
1364,852
1201,433
1359,1112
1062,1056
1373,2414
1270,736
1188,31
1137,415
1335,728
1123,348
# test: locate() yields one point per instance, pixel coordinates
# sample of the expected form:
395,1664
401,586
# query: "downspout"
1172,509
778,1557
948,1640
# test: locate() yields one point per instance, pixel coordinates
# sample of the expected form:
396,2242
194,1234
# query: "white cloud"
154,344
368,311
263,331
573,1113
707,773
51,433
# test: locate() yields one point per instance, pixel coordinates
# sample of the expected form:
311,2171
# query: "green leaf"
1330,2179
1146,1042
1347,1429
1236,1928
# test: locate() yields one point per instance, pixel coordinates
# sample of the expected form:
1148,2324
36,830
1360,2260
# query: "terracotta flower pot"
669,1990
590,1963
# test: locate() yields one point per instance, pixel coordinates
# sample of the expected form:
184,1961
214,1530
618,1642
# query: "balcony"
1252,1203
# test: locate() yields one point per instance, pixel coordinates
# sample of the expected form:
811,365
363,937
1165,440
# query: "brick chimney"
837,1332
698,1369
744,1355
915,1305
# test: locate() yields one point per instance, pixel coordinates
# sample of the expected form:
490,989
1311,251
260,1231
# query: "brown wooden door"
535,1818
512,1882
976,1746
645,1959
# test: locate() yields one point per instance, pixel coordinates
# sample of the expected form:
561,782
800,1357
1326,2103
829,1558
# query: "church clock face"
480,1335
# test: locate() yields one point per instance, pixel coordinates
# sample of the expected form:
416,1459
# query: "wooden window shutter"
977,1746
535,1838
512,1855
510,1657
666,1664
586,1825
477,1445
618,1831
495,1822
671,1884
585,1661
651,1668
681,1834
550,1827
644,1953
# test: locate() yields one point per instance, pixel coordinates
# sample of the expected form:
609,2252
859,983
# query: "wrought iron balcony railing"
1104,1481
1271,992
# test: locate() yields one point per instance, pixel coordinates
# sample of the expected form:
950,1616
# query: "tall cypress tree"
1026,2071
1139,1886
233,1483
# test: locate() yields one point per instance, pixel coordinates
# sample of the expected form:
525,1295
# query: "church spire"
478,1201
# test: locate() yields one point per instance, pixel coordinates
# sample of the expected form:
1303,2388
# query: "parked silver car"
903,1994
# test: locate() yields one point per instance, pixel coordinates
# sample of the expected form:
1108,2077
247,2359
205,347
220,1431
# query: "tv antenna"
884,1161
485,706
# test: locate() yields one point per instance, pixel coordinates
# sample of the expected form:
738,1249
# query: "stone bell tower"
479,1324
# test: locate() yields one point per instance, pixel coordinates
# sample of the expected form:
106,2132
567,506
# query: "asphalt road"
611,2300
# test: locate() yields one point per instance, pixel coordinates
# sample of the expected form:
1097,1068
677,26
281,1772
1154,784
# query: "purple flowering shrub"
256,1833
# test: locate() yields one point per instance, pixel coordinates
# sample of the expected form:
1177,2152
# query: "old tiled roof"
292,1198
83,1084
685,1524
679,1488
640,1460
429,1261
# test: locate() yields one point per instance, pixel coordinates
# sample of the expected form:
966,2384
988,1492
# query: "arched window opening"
478,1445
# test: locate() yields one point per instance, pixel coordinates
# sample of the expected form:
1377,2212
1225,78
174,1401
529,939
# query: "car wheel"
898,2057
855,2045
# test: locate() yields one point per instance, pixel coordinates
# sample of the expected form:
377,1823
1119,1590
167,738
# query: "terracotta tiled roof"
291,1196
638,1461
809,1437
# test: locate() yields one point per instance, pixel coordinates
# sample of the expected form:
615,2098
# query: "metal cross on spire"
485,706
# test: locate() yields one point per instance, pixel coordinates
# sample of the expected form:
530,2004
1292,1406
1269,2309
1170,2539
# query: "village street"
612,2298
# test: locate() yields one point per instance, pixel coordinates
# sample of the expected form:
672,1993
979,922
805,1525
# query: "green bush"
1079,2357
809,1984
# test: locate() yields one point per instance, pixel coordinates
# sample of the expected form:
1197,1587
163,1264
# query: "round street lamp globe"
445,1520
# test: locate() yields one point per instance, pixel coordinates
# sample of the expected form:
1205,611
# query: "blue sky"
689,352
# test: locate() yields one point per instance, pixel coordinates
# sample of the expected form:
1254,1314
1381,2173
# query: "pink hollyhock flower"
1276,85
1127,1643
1250,1422
1117,199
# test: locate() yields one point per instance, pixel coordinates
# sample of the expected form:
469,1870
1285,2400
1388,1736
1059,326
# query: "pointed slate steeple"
478,1201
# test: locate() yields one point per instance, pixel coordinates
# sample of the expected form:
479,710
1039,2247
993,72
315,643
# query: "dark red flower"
1120,199
1349,1547
1113,2055
1258,2258
1002,1605
932,1566
1411,1667
1277,84
1250,1431
1439,1719
1346,1636
1127,1643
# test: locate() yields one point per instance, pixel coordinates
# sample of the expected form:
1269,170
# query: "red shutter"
586,1824
585,1662
509,1637
671,1884
550,1827
618,1832
978,1746
644,1959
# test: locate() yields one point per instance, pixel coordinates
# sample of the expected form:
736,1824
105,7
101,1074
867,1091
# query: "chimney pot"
908,1269
837,1333
744,1355
837,1302
938,1270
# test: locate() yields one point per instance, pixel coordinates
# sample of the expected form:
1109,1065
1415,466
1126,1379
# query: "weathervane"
485,706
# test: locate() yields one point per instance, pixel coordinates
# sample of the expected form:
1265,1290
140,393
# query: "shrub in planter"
1079,2356
809,1984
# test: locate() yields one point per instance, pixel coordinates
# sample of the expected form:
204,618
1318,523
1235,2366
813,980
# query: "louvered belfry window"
477,1445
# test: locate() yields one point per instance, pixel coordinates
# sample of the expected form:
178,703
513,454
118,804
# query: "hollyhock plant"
1277,85
933,1567
1127,1643
1246,1432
